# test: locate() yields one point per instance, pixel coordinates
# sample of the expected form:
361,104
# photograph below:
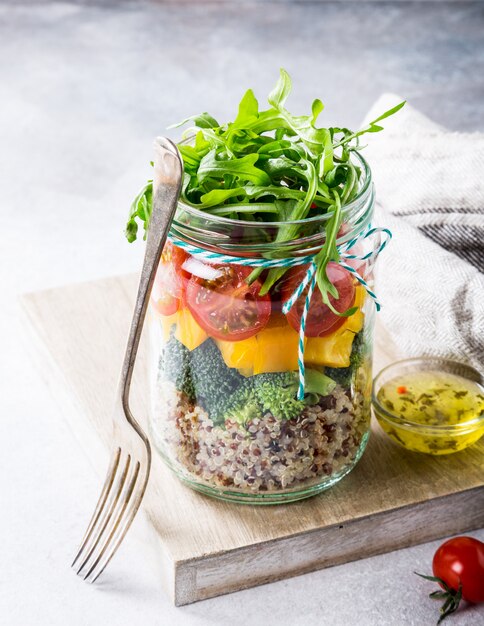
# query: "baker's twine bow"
309,278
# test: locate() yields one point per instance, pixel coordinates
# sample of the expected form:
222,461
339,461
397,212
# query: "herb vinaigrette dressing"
433,399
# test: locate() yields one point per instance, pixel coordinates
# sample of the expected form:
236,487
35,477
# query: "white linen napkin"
430,193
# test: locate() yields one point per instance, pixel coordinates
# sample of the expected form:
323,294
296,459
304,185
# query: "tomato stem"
451,596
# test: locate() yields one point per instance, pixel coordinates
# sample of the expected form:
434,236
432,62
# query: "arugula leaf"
326,162
140,210
217,197
242,168
247,208
336,176
372,127
317,107
248,110
269,165
278,96
202,120
191,157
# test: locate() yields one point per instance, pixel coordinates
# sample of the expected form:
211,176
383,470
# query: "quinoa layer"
266,454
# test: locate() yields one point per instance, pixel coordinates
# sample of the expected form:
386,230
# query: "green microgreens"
269,166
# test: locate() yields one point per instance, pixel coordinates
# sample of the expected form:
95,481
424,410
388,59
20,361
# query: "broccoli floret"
201,374
343,375
317,383
175,366
243,405
213,382
277,393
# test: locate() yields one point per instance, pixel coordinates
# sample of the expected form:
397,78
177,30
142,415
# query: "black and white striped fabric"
458,230
430,192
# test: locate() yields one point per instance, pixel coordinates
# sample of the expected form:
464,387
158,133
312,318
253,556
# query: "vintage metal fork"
129,470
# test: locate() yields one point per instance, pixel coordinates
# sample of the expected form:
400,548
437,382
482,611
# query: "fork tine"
108,483
118,522
130,515
108,513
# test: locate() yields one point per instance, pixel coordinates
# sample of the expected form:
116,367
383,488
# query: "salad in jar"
262,311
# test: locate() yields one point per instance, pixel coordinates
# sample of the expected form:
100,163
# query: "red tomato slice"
320,320
167,292
174,255
227,307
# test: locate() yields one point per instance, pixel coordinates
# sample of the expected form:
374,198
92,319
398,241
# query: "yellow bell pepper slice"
167,322
273,349
355,322
334,350
188,331
276,350
331,351
239,354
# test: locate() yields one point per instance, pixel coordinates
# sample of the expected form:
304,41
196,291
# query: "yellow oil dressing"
438,412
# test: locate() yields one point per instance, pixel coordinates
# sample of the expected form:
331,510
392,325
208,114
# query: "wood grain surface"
392,499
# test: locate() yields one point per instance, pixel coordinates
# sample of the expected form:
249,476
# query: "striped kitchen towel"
430,193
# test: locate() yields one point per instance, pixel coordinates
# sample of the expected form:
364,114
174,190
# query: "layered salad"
225,403
243,400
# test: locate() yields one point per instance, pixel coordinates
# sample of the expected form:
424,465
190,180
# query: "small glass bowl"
428,439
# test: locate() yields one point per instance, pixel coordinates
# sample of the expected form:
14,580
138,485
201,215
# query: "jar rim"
347,209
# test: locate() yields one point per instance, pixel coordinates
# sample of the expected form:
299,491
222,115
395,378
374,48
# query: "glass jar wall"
224,359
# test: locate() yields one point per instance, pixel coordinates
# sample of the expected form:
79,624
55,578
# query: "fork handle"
167,177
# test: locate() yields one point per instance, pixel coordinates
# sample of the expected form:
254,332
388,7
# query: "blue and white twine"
309,278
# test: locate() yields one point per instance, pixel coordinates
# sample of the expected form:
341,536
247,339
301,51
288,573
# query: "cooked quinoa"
266,454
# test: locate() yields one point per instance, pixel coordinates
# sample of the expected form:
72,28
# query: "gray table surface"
84,87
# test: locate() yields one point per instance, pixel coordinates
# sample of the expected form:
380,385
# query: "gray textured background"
84,87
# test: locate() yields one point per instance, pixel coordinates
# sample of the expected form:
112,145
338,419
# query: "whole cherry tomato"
458,567
460,561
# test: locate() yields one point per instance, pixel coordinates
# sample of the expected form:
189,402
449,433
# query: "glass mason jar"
224,413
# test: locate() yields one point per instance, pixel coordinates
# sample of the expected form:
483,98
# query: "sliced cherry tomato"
460,561
226,306
176,256
168,288
320,320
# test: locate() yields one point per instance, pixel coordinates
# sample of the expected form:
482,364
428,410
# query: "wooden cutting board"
392,499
